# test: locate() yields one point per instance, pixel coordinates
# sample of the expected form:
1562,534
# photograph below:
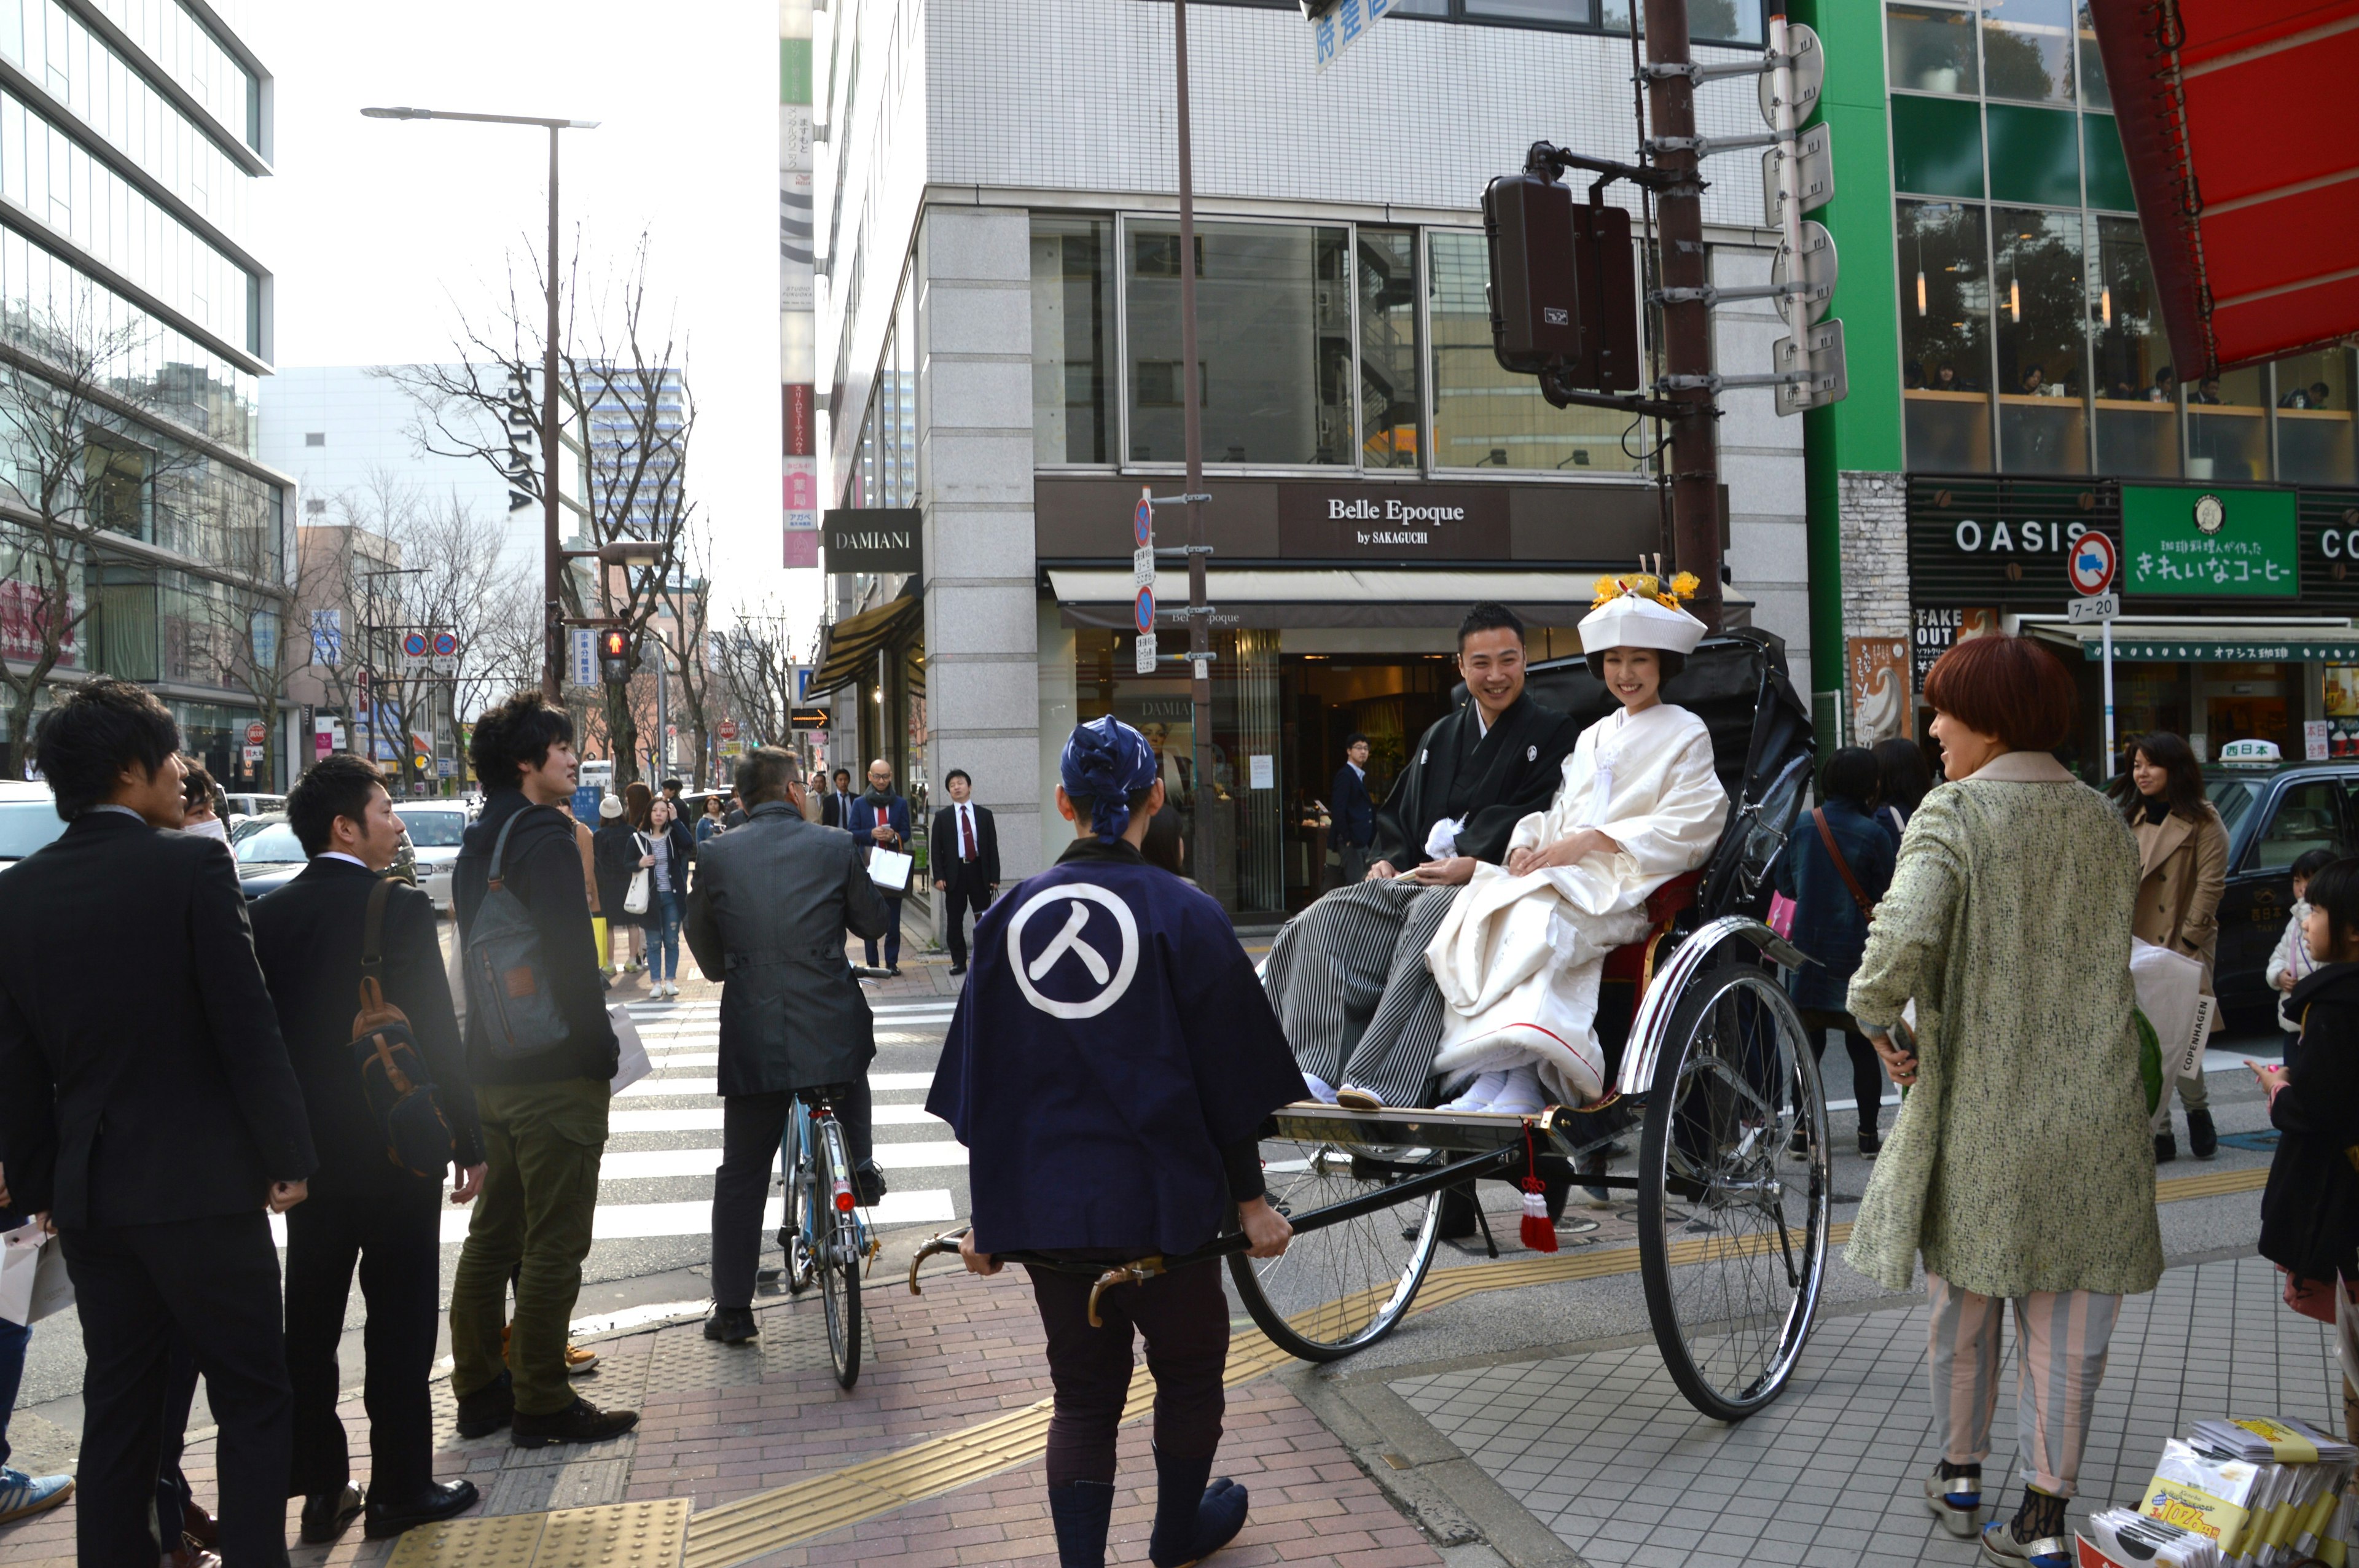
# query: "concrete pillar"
974,474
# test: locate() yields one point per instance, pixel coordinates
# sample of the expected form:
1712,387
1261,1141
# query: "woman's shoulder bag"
1843,867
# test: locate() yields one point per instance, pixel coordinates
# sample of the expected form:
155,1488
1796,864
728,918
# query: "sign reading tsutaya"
874,539
1392,522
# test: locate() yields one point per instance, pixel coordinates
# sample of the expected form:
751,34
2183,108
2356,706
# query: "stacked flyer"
2253,1492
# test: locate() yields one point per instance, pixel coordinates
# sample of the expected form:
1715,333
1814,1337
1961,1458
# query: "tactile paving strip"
651,1534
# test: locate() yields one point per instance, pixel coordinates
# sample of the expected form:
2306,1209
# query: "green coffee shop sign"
2192,543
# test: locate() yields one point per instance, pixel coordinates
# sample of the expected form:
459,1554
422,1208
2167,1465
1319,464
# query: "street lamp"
553,653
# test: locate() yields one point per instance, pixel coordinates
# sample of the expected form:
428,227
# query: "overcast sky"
379,231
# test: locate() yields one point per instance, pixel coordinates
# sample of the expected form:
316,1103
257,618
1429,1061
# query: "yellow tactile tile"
614,1535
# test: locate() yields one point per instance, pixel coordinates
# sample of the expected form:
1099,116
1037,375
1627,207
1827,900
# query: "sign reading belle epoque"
1392,522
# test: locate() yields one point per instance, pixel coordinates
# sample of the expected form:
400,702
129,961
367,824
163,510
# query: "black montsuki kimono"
1348,974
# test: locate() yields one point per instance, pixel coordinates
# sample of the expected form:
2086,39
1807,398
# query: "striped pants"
1348,979
2060,1340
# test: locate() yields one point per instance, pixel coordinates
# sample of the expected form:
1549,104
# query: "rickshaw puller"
1107,1122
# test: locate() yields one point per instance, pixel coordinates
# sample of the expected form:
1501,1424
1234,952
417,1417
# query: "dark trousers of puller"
1184,1316
751,1129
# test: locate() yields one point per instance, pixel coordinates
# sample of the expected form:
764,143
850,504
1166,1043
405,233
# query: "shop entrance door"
1327,697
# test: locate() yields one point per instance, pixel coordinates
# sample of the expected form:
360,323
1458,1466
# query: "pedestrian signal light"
614,655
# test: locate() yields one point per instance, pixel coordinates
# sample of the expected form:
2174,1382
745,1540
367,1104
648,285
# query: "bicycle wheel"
836,1249
1341,1286
1732,1250
796,1224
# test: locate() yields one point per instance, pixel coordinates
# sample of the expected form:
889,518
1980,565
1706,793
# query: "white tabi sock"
1521,1094
1320,1090
1478,1095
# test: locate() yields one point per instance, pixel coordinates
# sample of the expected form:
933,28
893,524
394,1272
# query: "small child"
2291,962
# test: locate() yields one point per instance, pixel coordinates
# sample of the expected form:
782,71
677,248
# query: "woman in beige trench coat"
2019,1168
2182,871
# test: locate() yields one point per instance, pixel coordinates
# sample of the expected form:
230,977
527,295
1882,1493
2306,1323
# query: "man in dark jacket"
879,819
1348,974
768,912
1352,811
835,807
544,1115
965,858
310,936
146,1107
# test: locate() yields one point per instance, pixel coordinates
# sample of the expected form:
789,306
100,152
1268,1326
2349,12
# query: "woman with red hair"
2020,1167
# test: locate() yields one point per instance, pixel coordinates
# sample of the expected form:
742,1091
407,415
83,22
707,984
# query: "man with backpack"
541,1054
377,1199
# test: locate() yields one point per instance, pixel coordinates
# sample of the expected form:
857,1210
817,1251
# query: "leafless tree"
245,632
82,466
621,390
756,666
680,632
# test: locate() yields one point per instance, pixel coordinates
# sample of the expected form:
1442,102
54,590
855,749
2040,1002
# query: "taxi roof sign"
2251,752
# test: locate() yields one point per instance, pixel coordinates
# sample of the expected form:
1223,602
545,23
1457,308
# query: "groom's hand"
1455,871
1382,872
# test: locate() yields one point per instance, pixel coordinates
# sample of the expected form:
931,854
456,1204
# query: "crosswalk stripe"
707,1118
630,1221
650,1165
677,1060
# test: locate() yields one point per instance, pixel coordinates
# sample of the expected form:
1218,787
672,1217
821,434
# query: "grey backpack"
508,976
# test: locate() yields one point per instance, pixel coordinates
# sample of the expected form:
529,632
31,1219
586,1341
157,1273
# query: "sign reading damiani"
874,539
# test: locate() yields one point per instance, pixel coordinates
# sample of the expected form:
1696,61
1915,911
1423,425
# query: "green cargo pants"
543,1143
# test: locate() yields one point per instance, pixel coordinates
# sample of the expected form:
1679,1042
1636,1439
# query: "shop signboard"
1879,688
1940,627
1347,521
2191,542
876,540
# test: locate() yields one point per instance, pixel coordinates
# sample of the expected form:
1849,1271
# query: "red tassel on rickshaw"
1540,1231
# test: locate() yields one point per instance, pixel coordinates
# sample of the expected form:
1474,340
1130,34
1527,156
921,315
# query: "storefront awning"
1345,596
853,642
2210,641
2251,213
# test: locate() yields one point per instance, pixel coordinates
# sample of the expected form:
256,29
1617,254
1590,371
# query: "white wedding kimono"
1518,959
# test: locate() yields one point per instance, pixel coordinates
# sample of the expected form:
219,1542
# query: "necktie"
966,835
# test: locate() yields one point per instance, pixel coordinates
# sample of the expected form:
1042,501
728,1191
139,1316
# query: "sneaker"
2202,1138
23,1496
578,1360
731,1325
2166,1147
581,1422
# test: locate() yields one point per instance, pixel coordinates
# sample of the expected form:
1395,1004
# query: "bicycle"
828,1242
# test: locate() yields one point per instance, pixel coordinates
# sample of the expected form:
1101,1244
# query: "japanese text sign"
2189,542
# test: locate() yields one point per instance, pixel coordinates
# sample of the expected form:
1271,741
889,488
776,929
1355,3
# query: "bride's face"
1633,676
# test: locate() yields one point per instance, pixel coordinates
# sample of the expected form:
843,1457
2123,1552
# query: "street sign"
1142,567
256,734
1814,176
1142,522
582,660
726,730
1810,73
446,767
2095,607
1816,273
328,636
413,651
1818,354
253,755
1143,663
446,653
1337,25
2092,565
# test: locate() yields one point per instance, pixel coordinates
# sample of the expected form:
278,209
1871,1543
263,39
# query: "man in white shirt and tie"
965,858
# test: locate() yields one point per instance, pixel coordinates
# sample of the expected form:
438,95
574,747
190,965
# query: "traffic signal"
1564,287
614,655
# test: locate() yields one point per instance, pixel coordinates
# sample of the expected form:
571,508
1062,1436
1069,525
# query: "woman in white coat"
1520,956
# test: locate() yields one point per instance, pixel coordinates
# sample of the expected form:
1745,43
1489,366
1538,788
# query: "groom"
1348,974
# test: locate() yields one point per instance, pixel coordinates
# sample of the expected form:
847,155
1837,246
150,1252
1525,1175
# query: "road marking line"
652,1165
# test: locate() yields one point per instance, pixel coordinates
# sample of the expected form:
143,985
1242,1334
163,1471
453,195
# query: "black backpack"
394,1078
508,976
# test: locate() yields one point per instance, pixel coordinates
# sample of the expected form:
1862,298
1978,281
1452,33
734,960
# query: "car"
28,819
270,856
255,804
2275,812
434,829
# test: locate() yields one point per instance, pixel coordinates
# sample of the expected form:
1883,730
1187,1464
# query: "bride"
1519,957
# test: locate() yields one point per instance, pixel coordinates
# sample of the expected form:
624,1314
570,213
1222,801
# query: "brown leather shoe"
197,1523
190,1554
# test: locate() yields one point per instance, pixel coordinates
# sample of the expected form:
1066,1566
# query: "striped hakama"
1348,979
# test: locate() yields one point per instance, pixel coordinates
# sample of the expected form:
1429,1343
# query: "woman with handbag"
624,887
668,849
2183,870
1835,867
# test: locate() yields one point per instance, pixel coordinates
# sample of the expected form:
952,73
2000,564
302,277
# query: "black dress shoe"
488,1409
443,1500
869,1184
958,969
579,1422
326,1514
731,1325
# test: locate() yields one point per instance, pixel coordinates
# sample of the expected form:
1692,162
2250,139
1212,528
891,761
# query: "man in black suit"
1352,810
965,858
835,807
148,1108
310,936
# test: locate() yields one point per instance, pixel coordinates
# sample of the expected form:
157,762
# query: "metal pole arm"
1547,157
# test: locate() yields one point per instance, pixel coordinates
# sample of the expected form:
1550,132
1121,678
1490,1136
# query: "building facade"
130,137
998,333
2012,390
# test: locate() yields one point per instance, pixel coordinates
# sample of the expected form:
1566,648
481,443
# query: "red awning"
2244,153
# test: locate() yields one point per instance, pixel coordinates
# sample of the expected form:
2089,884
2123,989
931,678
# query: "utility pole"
1191,419
1687,322
552,564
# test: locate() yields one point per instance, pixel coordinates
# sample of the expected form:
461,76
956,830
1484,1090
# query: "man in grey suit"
768,911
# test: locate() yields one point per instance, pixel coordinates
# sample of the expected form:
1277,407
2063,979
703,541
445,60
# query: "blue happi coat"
1111,1042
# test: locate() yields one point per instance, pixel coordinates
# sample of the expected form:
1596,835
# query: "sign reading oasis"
2191,542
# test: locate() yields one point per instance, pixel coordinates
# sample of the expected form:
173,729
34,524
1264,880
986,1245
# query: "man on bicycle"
768,911
1109,1069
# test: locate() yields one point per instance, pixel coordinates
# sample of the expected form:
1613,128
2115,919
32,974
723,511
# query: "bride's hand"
1565,852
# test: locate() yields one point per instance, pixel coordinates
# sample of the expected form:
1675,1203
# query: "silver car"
434,829
28,819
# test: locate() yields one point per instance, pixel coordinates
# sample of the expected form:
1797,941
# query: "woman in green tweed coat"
2020,1169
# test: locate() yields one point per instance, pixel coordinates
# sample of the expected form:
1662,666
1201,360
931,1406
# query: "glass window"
2138,400
433,830
2227,428
276,843
2034,156
1564,13
1937,147
1388,348
2309,816
2314,423
1072,340
1484,416
1945,336
2040,295
2094,93
2027,50
1737,21
2109,170
1930,51
2232,799
1273,324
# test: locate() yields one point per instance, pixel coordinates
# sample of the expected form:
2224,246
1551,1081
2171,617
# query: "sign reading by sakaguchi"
2191,542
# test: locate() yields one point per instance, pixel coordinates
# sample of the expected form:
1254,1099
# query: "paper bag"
33,1281
630,1062
2170,993
889,868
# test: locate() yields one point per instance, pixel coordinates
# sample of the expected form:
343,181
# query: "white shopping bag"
2170,993
889,868
33,1281
630,1062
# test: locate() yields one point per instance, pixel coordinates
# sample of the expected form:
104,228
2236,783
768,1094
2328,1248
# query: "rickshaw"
1715,1078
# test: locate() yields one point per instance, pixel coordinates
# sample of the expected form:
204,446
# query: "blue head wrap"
1105,760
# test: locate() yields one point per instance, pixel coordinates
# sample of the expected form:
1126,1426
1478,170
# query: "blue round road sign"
1142,523
1143,610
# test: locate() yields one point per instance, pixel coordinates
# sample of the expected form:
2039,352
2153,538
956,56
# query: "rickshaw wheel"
1345,1285
1732,1229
